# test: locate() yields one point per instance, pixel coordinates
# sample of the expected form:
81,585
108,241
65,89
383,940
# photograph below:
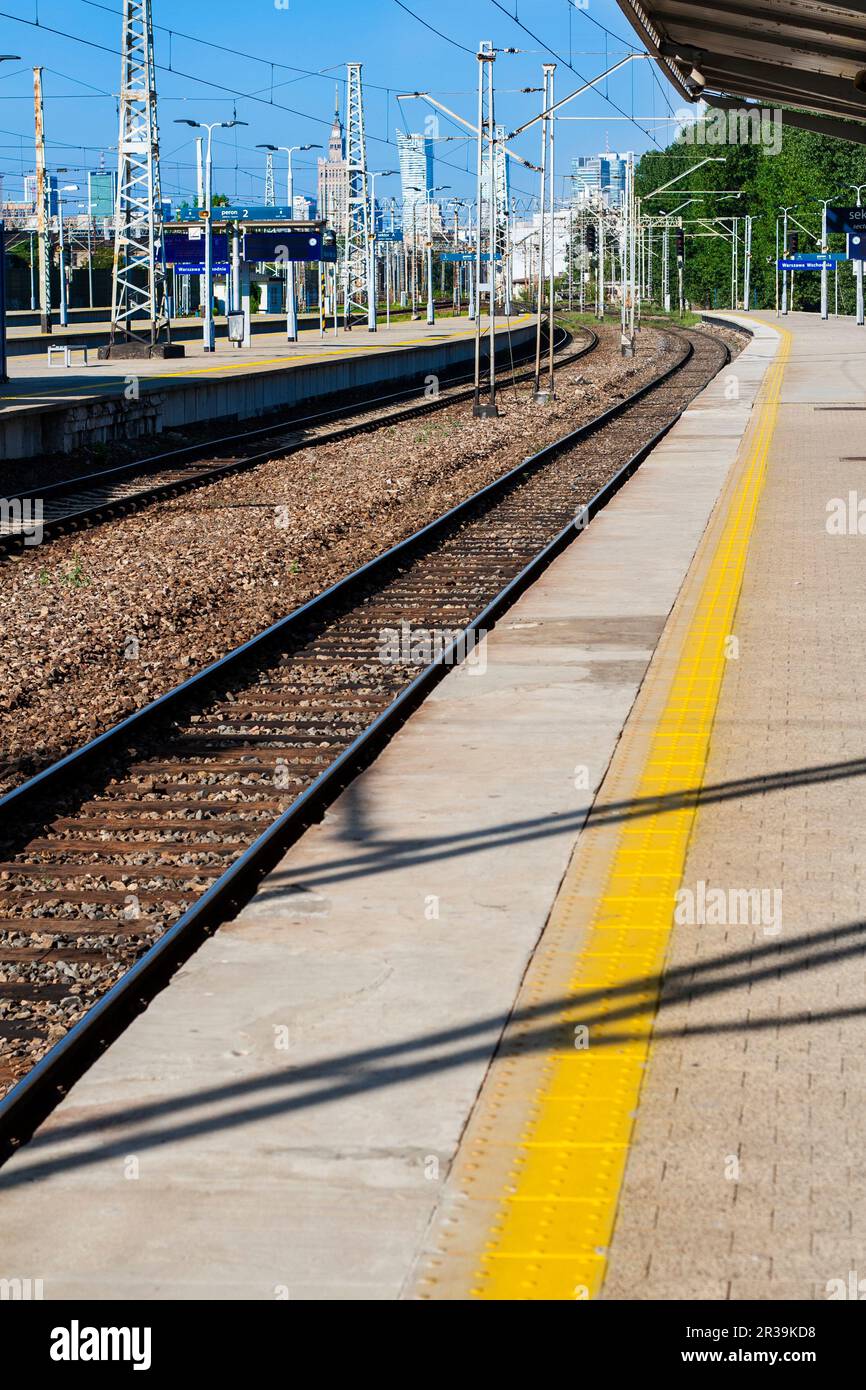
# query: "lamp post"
8,58
207,212
456,296
431,311
413,189
291,298
61,189
371,253
785,212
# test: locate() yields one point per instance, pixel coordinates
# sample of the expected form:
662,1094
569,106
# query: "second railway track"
91,498
119,859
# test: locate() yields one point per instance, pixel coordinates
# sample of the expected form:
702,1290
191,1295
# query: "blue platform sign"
810,262
282,246
254,212
467,257
389,236
187,247
846,219
191,268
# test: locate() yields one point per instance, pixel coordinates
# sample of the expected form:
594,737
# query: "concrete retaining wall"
63,427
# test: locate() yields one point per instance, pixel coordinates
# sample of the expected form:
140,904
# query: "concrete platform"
24,336
54,410
289,1118
746,1172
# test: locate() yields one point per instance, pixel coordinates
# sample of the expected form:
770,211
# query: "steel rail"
36,1094
108,508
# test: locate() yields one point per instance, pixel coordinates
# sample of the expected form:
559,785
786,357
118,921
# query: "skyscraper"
30,191
416,171
599,176
333,186
101,189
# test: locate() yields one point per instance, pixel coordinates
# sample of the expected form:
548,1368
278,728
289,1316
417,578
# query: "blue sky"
278,54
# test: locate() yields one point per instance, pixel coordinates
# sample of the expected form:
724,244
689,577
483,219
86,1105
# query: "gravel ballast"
96,625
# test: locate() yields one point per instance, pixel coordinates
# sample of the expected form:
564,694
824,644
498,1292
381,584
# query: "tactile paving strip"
532,1200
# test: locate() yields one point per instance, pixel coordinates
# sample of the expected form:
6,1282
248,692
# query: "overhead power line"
325,73
437,32
559,58
210,82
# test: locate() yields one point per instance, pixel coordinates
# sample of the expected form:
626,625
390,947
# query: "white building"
525,238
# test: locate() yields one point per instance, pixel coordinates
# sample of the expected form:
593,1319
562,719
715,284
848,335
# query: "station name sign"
810,262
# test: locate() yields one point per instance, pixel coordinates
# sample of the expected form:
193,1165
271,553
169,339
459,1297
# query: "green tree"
805,169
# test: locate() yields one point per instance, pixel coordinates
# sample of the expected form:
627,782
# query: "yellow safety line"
556,1212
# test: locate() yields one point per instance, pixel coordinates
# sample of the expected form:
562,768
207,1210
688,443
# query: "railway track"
109,492
118,860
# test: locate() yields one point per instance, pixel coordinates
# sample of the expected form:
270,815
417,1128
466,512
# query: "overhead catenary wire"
437,32
570,66
205,81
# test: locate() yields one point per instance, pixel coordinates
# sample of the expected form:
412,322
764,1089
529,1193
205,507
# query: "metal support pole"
542,206
474,298
784,272
551,182
825,310
633,262
291,298
491,204
235,300
42,208
858,270
372,287
208,337
747,268
64,311
666,268
414,262
4,376
199,189
600,285
431,312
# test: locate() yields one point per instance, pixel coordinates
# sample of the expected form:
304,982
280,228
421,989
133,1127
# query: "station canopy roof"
806,56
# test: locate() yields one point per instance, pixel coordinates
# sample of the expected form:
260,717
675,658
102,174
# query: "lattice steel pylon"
139,311
356,246
270,196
